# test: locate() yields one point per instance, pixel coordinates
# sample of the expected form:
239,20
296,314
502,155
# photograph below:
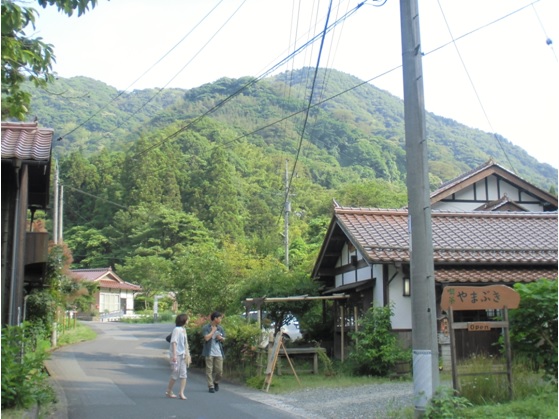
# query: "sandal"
170,394
182,397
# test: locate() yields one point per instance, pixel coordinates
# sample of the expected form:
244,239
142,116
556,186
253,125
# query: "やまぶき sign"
491,297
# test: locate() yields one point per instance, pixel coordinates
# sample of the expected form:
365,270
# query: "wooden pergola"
258,302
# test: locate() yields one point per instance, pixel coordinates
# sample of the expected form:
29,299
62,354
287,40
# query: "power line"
309,105
139,78
182,69
248,84
472,84
96,197
548,40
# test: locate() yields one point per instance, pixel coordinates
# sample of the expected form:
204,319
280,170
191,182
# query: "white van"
290,330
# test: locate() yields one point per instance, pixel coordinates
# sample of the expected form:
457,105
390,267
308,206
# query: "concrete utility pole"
61,214
424,310
286,216
55,215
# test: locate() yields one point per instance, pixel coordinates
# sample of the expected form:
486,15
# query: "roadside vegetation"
25,382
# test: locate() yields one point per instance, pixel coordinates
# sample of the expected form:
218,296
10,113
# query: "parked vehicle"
289,330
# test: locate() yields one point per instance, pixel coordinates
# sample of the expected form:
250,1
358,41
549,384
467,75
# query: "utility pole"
287,210
424,310
60,214
55,215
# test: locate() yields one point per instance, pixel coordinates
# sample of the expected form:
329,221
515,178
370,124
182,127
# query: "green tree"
25,58
273,280
90,247
154,230
201,280
375,193
152,273
149,175
216,196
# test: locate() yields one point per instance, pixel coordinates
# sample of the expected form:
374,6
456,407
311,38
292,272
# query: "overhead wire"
548,40
247,85
182,69
384,73
292,54
104,107
302,136
472,84
95,196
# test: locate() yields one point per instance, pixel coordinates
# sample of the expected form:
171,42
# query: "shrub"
24,381
376,348
446,404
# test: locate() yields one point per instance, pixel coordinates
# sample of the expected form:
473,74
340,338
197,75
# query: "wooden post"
342,329
290,363
455,383
508,350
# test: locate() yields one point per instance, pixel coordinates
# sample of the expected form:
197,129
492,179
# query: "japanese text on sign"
474,296
479,298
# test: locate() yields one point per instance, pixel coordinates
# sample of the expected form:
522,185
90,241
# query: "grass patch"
80,333
538,406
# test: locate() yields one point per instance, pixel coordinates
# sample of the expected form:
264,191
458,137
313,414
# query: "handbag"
168,338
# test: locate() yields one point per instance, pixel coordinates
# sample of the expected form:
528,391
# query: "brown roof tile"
472,237
26,141
105,283
106,278
492,275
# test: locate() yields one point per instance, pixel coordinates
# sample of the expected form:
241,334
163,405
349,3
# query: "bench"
301,352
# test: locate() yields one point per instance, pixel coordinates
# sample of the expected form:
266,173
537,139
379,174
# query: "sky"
487,64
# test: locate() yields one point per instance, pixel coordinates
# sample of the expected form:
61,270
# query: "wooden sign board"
490,297
479,327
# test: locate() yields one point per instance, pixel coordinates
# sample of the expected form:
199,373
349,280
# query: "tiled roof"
91,274
106,278
458,238
105,283
492,275
26,141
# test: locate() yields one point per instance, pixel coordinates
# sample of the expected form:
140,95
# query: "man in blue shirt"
214,335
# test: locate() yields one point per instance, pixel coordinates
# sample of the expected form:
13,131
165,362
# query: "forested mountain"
176,188
354,123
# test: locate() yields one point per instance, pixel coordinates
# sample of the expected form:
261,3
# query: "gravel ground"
370,401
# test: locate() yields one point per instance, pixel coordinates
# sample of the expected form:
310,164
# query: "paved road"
123,374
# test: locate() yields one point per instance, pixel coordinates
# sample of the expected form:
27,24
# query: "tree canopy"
25,58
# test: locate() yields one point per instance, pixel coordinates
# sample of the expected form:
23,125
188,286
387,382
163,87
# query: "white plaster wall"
352,276
402,305
487,193
378,291
129,295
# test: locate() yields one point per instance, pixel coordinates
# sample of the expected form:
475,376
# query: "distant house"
491,187
115,297
26,164
486,233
